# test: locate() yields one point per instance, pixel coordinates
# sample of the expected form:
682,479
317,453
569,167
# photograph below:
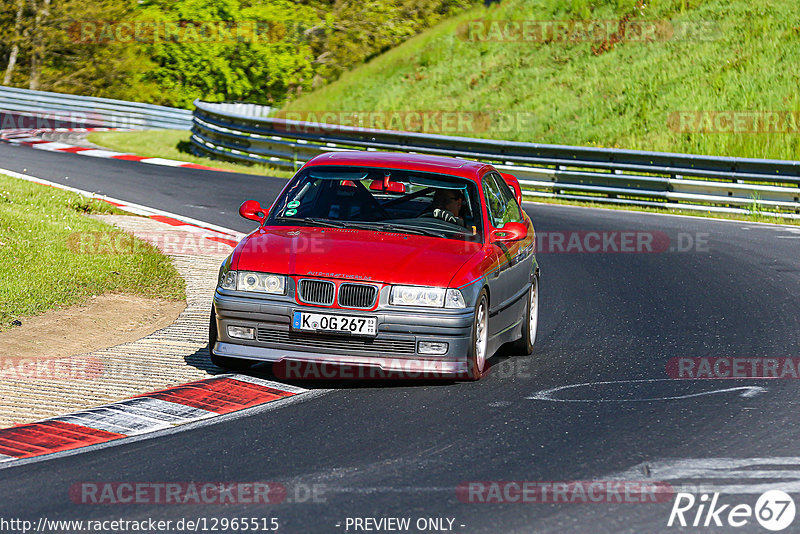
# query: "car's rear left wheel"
225,362
530,322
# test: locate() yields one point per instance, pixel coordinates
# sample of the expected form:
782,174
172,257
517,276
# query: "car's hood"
355,254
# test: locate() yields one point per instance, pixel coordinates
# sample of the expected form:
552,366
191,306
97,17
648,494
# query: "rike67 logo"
774,510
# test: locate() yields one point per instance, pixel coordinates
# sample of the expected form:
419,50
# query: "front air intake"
357,295
316,292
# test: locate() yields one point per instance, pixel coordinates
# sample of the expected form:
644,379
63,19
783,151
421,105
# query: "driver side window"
500,203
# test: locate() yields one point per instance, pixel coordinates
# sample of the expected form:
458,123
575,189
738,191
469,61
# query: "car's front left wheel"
476,360
225,362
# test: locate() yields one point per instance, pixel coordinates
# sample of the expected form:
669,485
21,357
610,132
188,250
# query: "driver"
448,205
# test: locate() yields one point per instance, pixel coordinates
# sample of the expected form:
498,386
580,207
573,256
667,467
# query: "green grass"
42,265
562,93
172,144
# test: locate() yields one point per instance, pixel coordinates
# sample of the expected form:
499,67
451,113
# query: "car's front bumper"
394,349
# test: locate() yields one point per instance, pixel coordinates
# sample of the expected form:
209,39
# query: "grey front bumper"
395,348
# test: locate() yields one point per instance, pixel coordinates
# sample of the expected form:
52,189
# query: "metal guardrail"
26,109
686,181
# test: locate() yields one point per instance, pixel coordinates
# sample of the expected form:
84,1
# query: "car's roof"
399,160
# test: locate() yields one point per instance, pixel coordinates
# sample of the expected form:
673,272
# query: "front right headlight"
227,278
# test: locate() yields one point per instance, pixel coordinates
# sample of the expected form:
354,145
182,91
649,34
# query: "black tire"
224,362
530,322
476,362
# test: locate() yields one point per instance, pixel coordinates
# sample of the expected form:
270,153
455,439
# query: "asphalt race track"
611,321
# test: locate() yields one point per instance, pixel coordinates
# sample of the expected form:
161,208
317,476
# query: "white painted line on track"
97,153
112,420
548,394
269,383
131,207
53,145
162,161
136,416
162,410
247,412
702,475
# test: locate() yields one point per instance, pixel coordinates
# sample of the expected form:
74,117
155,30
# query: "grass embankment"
42,265
733,56
730,55
727,56
172,144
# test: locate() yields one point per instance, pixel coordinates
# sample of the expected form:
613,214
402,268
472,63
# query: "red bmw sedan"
396,263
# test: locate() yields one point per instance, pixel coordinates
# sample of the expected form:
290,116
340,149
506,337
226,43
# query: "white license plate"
324,322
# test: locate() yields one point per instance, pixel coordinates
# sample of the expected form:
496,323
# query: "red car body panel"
471,170
357,254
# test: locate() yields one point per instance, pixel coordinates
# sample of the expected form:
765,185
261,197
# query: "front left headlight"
432,297
274,284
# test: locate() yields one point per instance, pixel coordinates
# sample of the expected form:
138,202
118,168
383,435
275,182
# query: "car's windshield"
381,199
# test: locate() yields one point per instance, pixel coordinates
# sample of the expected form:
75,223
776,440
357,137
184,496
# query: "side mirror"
251,209
511,231
513,183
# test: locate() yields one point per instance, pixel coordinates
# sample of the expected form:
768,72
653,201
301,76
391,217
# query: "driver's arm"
445,215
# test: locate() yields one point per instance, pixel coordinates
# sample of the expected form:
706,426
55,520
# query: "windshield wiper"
407,229
313,220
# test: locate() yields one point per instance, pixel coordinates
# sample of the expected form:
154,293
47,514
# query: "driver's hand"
444,215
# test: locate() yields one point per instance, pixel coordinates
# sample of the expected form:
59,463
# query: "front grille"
357,295
307,342
316,292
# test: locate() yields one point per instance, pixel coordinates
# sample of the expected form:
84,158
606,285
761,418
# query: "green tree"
263,51
260,58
